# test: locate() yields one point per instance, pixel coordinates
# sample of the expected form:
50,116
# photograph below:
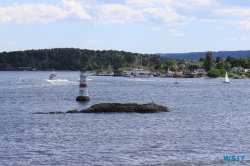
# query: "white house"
136,71
246,70
200,72
238,69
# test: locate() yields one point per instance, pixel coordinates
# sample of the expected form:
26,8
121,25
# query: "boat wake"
59,81
141,79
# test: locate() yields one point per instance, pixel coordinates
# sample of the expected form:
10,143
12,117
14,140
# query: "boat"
53,76
176,82
183,75
105,74
226,78
178,76
143,76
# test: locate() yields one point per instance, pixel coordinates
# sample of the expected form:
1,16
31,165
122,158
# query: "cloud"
6,43
93,41
156,29
158,12
242,25
182,3
42,13
140,2
115,13
164,16
233,12
174,32
238,17
237,39
95,12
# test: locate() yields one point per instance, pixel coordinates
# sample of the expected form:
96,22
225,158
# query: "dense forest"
77,59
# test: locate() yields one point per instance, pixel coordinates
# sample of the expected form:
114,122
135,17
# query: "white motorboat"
53,76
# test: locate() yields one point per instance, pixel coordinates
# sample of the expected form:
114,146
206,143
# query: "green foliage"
171,64
208,61
230,74
78,59
213,73
125,104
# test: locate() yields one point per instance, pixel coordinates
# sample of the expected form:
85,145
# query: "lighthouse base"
82,98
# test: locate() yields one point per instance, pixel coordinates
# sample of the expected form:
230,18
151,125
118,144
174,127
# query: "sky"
139,26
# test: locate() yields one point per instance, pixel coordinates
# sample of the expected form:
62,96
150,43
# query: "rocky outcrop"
129,107
119,107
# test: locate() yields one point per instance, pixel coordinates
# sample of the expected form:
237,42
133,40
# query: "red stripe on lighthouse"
83,85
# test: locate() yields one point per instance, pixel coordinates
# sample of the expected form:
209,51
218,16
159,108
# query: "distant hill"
197,55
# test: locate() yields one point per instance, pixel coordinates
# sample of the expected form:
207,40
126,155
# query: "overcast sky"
142,26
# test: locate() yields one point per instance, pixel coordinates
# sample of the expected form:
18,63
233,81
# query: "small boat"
53,76
226,78
143,76
176,82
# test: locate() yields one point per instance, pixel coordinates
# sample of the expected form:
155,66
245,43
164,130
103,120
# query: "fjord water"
208,120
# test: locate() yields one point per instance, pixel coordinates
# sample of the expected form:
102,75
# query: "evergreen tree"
208,61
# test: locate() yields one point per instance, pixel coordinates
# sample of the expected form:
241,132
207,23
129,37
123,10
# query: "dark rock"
82,98
54,112
72,111
127,107
117,107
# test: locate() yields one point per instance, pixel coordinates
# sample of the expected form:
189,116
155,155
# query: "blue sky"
142,26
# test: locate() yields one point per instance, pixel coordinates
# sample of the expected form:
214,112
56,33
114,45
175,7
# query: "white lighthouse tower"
83,89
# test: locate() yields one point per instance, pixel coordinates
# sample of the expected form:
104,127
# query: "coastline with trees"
74,59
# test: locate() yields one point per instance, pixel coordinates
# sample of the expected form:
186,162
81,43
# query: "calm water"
208,120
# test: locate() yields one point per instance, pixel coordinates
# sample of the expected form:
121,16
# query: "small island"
117,108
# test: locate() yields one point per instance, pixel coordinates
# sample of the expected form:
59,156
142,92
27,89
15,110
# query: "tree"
213,73
208,61
227,66
171,64
230,59
202,59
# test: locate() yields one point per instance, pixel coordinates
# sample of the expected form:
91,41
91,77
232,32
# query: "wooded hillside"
76,59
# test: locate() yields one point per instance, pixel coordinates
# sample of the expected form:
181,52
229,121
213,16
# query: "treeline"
218,67
77,59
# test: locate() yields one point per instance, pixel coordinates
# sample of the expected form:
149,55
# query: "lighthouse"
83,89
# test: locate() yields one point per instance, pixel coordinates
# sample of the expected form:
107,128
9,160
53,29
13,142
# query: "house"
238,69
246,70
200,72
136,71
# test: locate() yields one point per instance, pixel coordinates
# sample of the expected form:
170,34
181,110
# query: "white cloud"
156,29
139,2
231,39
8,42
174,32
97,13
235,12
242,25
41,13
237,17
115,13
165,16
182,3
75,8
237,39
